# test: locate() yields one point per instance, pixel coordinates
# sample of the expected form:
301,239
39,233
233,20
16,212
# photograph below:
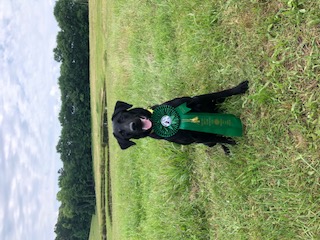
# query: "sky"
29,126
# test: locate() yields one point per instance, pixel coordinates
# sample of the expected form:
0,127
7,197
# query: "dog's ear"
120,106
124,143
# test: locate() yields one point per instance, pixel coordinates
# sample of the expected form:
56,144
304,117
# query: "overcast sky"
29,126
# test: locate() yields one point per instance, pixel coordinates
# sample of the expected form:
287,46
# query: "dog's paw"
243,87
226,150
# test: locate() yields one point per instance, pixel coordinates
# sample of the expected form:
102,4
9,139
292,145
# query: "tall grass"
269,187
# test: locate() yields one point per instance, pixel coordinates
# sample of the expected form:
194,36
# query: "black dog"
136,123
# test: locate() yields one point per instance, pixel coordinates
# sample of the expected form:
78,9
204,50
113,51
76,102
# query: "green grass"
158,50
94,230
97,88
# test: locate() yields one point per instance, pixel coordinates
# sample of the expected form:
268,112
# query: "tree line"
76,182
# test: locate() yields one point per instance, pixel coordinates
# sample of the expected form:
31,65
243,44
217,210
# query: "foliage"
76,195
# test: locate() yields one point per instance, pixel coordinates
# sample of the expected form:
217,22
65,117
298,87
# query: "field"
94,230
145,52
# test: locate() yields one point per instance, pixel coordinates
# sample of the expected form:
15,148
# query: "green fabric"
223,124
157,118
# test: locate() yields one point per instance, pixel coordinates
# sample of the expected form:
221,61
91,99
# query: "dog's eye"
122,133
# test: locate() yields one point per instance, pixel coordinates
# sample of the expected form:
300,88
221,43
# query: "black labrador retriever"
137,123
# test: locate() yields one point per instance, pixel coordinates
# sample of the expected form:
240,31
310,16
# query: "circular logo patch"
165,121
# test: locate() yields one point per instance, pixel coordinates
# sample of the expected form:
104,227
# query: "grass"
98,95
147,52
94,230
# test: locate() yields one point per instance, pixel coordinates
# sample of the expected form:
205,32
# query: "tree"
76,193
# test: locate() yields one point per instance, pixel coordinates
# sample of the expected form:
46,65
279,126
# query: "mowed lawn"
149,51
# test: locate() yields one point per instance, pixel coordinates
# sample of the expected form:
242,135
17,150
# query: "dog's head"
130,123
